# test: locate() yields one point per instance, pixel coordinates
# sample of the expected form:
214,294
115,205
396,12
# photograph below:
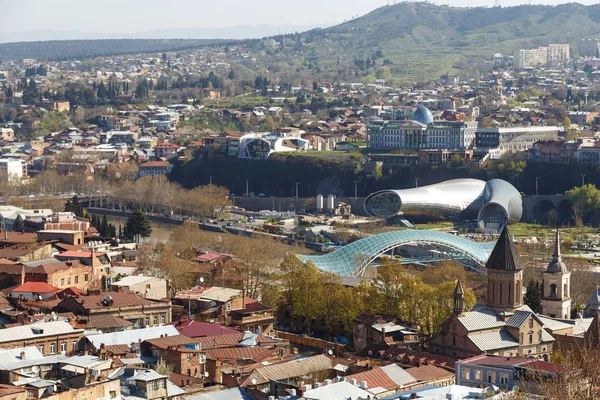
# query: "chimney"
292,392
22,355
353,382
363,385
306,388
316,385
327,382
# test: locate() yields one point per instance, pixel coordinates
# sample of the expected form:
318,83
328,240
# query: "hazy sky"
129,16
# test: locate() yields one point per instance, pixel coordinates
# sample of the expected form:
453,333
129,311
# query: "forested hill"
78,49
425,38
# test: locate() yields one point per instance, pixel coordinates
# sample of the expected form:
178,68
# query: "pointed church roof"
557,264
504,256
593,303
458,290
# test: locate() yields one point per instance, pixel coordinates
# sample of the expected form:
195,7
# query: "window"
531,323
189,372
147,321
156,320
74,345
491,377
52,348
63,347
86,277
147,286
163,319
478,375
76,279
68,281
453,340
62,281
466,374
553,290
504,379
566,290
41,348
188,357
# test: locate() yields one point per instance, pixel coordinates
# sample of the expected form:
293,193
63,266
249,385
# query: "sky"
133,16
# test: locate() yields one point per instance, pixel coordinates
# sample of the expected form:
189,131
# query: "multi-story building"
151,168
551,55
49,338
148,287
512,140
423,133
59,274
139,311
12,169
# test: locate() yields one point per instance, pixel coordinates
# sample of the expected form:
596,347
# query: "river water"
161,231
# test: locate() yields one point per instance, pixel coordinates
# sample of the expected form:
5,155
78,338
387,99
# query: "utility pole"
583,179
355,190
537,178
210,180
247,181
417,181
297,183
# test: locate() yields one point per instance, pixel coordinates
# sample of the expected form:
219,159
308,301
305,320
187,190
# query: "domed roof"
423,115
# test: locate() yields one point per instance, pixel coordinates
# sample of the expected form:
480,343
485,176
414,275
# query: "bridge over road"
537,208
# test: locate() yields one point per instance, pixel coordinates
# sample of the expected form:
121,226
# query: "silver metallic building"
493,202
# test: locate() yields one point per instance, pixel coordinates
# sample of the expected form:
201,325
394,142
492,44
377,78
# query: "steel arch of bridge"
352,259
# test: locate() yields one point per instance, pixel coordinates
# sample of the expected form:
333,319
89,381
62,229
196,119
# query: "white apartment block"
12,170
552,54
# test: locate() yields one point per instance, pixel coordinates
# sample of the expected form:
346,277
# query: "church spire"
504,256
459,299
556,265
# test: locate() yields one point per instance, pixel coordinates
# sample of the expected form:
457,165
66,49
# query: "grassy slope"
425,40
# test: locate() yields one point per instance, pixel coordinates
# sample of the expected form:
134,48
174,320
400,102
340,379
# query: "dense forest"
58,50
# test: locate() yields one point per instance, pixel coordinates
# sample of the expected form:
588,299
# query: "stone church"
504,325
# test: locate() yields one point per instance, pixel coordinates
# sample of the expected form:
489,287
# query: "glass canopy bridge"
352,259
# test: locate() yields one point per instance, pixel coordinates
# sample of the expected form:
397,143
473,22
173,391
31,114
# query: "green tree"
377,171
533,296
383,73
585,202
137,226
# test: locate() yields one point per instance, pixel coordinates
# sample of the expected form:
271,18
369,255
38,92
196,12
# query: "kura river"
161,231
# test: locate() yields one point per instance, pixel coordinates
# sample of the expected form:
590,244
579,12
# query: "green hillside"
426,40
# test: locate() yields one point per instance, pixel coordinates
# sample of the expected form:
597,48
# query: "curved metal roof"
351,260
501,193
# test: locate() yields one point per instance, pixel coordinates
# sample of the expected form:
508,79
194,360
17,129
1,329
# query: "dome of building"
423,115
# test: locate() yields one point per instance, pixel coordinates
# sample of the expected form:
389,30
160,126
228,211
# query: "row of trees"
310,295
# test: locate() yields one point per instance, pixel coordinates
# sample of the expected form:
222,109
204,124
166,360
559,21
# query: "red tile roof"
210,256
36,287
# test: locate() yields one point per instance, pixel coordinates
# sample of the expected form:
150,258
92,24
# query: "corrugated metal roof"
227,394
426,373
337,391
493,340
398,375
241,353
132,280
375,378
290,369
31,353
480,318
518,319
29,363
128,337
27,331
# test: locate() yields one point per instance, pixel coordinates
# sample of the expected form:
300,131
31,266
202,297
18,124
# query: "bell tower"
556,290
505,276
